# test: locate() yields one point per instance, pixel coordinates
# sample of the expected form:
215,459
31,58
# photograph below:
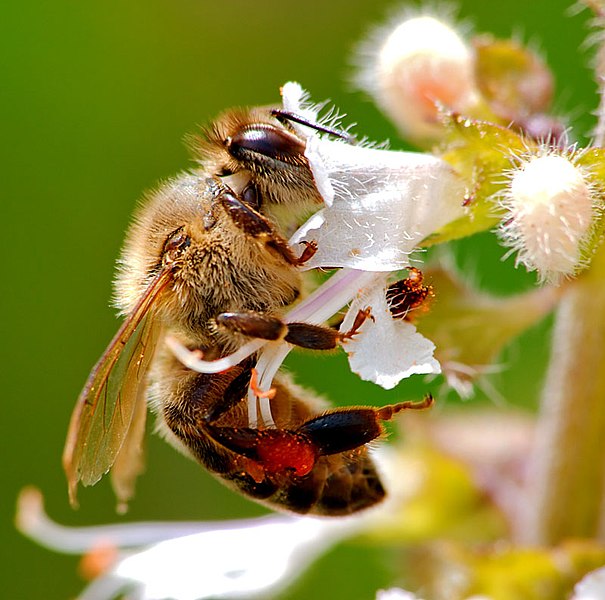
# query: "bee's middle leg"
304,335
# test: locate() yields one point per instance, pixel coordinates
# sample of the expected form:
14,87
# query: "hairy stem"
566,482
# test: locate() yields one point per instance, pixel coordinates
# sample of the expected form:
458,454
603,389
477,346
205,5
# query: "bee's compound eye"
265,140
251,196
175,244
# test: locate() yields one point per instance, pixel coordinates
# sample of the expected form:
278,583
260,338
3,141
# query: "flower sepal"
481,153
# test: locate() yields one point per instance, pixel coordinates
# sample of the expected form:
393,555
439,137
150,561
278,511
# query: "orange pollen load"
279,451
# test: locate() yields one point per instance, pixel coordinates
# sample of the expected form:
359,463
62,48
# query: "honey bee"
207,262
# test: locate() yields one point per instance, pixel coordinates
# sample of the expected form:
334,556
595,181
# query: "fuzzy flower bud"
550,213
419,65
591,586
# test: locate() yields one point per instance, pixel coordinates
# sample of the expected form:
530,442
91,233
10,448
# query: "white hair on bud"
550,212
414,66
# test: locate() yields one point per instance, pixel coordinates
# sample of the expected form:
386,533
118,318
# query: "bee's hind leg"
297,451
345,429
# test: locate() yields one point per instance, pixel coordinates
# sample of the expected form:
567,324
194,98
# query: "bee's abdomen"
297,467
338,485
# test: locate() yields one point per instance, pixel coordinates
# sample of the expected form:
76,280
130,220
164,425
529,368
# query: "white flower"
196,560
550,212
254,556
414,66
379,205
220,559
407,352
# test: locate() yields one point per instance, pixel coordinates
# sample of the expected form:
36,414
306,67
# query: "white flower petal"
386,350
379,204
232,562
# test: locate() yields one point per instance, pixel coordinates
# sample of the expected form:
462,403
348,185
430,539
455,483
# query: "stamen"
257,395
270,360
270,393
252,409
191,358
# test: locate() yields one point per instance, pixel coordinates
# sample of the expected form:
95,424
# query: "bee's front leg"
304,335
259,227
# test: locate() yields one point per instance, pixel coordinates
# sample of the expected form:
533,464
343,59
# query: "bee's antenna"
284,115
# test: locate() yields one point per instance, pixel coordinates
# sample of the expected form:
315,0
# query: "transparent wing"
104,411
130,461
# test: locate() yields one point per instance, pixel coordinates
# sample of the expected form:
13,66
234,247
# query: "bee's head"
263,157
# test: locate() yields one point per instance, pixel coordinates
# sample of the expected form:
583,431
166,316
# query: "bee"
205,260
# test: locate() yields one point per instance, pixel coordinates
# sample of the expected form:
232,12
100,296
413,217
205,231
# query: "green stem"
566,484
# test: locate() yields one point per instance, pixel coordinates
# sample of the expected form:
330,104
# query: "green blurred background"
96,98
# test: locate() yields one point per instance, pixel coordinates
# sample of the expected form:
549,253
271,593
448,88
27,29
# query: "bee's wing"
103,416
130,461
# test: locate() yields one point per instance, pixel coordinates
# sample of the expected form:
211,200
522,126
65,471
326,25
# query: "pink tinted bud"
414,69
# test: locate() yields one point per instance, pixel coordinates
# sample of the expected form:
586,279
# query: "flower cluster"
424,63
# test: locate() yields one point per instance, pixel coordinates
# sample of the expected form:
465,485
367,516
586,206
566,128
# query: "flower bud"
550,209
419,65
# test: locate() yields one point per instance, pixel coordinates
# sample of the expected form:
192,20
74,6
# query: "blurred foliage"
96,98
500,572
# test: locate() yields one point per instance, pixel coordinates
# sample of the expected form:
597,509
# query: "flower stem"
567,481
